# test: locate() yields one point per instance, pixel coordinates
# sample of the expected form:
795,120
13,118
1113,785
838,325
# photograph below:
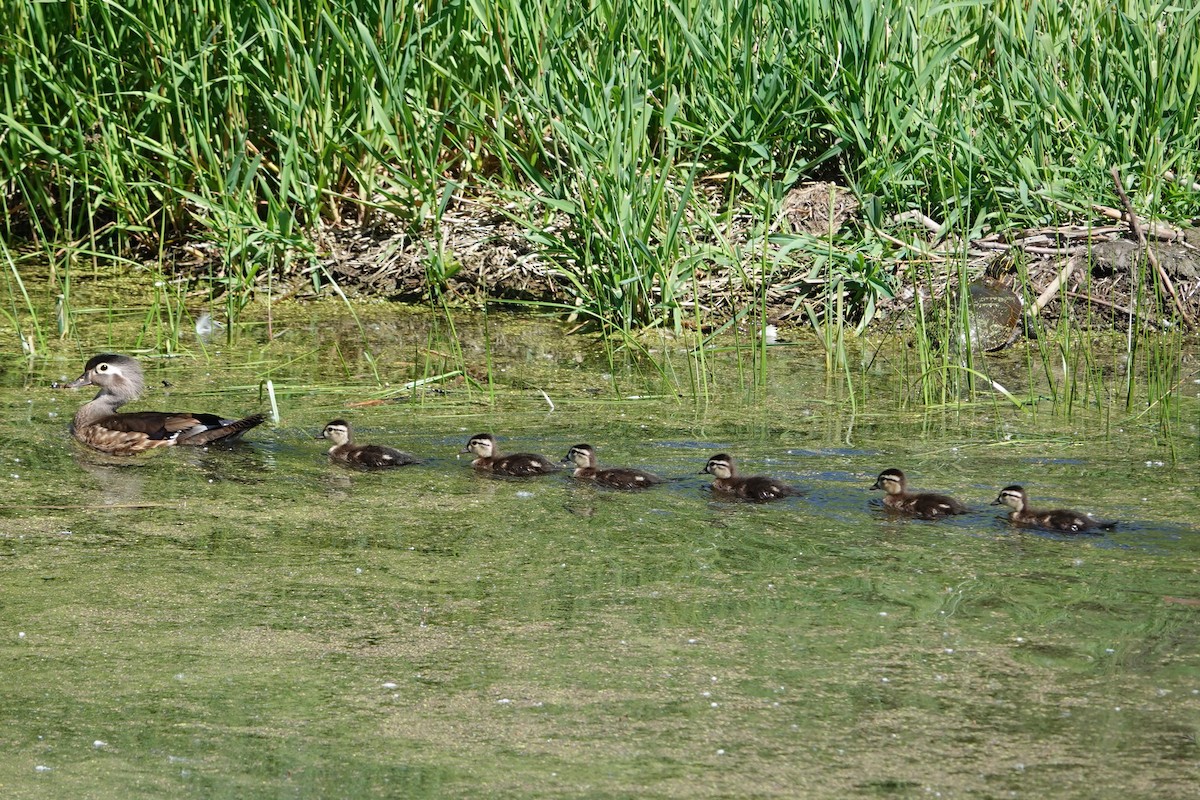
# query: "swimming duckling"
1057,520
754,487
99,425
521,465
373,456
924,505
583,456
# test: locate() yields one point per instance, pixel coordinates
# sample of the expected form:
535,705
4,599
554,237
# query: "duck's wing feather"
211,429
762,488
523,464
619,478
374,455
183,428
940,505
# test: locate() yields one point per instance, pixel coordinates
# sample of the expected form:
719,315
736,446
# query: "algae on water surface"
257,621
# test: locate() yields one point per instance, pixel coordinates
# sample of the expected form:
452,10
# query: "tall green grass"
642,147
253,124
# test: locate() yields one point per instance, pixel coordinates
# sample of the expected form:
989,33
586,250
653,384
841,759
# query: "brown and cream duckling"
753,487
372,456
99,425
925,505
1058,519
583,456
519,465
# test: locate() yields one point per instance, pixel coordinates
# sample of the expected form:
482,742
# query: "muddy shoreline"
1092,271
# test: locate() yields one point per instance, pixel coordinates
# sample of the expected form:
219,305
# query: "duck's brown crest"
111,358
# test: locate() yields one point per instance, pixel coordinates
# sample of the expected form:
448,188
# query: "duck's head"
114,374
581,455
337,431
1012,496
481,445
719,466
891,481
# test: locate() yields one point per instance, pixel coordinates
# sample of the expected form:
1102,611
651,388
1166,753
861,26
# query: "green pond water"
255,621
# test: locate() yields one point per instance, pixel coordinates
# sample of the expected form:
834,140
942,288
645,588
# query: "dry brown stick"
1159,230
1056,251
919,218
1048,293
909,246
1126,311
1153,259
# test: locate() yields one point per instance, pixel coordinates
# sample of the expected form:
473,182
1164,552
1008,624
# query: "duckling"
924,505
372,456
99,425
521,465
1057,520
755,487
583,456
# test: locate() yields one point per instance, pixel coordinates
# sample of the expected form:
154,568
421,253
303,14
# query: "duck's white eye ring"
102,368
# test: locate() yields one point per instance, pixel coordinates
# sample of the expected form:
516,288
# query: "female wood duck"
99,425
1057,520
924,505
583,456
371,456
519,465
755,487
